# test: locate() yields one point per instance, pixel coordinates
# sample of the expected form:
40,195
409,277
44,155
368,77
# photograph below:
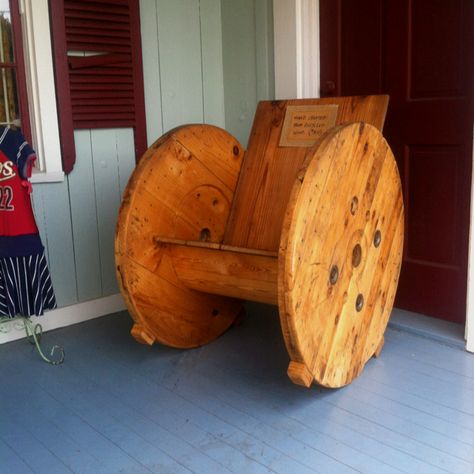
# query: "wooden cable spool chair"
315,228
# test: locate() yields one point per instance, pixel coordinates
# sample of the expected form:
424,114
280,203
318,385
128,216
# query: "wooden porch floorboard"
117,406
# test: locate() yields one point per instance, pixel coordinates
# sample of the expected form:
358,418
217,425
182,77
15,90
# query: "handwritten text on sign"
304,124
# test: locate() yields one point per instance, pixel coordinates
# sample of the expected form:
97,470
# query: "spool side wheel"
182,188
340,256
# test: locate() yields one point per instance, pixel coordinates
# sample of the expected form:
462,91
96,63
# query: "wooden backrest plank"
269,170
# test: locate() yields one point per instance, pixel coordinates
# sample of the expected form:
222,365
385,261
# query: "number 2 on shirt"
6,197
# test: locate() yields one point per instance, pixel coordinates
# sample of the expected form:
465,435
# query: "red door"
421,53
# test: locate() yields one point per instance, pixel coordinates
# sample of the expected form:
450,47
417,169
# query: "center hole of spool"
356,255
205,235
354,205
377,238
359,302
333,274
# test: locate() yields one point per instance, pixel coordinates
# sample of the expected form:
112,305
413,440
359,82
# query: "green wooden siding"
247,44
77,217
204,61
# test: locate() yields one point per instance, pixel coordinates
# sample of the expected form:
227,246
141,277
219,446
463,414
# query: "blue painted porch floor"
117,406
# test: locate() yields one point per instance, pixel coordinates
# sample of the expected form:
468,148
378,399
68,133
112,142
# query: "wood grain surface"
318,231
229,273
182,188
268,170
334,321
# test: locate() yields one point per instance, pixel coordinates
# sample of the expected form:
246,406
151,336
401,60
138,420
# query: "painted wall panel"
247,45
77,218
212,65
180,62
107,192
264,50
85,220
40,215
58,236
125,156
240,84
151,69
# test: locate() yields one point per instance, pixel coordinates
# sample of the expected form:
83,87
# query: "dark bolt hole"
333,274
215,312
356,255
205,235
359,302
377,238
236,150
354,205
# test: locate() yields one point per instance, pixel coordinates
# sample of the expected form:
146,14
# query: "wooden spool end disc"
181,189
340,256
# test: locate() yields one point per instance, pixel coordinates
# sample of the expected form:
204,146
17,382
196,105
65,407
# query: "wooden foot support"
300,374
141,335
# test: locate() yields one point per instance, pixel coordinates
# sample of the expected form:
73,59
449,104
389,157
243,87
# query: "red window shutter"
98,66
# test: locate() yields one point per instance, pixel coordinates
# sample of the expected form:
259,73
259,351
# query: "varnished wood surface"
268,170
223,272
182,188
325,228
215,246
183,280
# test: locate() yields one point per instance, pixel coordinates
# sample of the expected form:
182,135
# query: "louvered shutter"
98,69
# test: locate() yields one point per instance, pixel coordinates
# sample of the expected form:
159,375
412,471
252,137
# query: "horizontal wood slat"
100,42
108,2
78,79
105,113
97,7
99,87
78,62
86,23
96,31
99,94
96,16
86,46
124,72
102,101
94,124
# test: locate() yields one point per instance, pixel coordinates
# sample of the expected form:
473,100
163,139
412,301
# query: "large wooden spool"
316,230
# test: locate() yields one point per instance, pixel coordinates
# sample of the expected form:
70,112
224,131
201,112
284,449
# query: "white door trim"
296,32
469,334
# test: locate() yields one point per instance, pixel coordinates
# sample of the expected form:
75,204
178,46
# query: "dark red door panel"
420,52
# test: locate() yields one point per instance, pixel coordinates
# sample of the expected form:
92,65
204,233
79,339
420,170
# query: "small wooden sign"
304,124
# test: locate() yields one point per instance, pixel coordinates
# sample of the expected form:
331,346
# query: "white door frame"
296,35
469,334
